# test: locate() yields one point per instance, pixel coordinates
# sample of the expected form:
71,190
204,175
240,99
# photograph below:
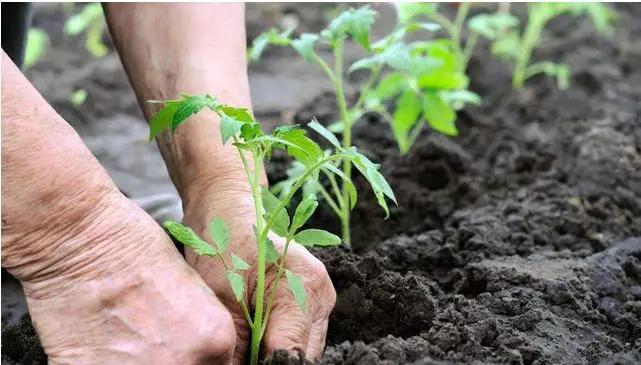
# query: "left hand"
289,328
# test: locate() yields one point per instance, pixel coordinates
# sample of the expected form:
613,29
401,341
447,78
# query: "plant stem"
530,37
261,254
272,294
456,31
347,135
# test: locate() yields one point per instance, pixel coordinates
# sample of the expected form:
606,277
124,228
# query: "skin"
162,62
103,282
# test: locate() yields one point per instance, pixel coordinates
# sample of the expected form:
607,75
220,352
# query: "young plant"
37,43
91,21
425,83
517,47
253,144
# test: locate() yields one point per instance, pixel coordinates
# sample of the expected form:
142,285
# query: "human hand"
288,328
123,295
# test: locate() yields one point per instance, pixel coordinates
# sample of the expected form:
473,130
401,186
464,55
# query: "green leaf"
272,36
297,288
270,203
406,114
305,46
307,151
407,11
355,22
78,97
238,263
240,114
219,233
162,120
439,114
189,106
317,237
492,26
271,255
303,212
458,98
37,43
507,46
189,238
320,129
349,185
250,131
228,128
391,85
237,284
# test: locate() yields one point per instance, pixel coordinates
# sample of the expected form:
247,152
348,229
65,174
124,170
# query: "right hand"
122,294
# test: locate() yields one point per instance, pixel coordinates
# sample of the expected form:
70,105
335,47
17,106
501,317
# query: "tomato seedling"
509,43
426,86
254,145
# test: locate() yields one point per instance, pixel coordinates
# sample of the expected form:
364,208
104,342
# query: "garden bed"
517,242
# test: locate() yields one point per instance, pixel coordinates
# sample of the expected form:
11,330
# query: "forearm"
192,48
59,206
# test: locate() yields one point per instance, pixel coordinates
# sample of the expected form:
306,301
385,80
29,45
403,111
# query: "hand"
288,328
130,299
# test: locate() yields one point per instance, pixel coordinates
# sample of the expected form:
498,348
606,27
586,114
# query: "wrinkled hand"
289,328
130,299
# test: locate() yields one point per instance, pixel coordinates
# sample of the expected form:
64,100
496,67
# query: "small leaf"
189,106
406,114
238,263
407,11
237,284
228,128
317,237
281,221
439,115
303,212
355,22
189,238
162,120
391,85
297,288
219,233
36,45
258,46
240,114
271,255
492,26
305,46
250,131
349,185
320,129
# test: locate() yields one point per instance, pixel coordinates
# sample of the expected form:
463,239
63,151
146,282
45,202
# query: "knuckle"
222,339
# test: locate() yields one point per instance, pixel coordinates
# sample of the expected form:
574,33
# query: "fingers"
289,327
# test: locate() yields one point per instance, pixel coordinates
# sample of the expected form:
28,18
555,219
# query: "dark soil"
517,242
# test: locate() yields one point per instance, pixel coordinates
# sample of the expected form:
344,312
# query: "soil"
519,241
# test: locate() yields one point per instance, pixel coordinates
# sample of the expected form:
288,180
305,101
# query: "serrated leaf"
296,286
228,128
391,85
270,203
237,283
406,114
439,114
305,46
376,180
240,114
492,26
320,129
238,263
219,233
250,131
189,238
407,11
317,238
307,151
349,185
162,120
189,106
303,212
355,22
271,255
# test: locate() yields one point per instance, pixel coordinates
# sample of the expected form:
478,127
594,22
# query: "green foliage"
37,43
297,288
238,126
89,20
78,97
516,47
189,238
